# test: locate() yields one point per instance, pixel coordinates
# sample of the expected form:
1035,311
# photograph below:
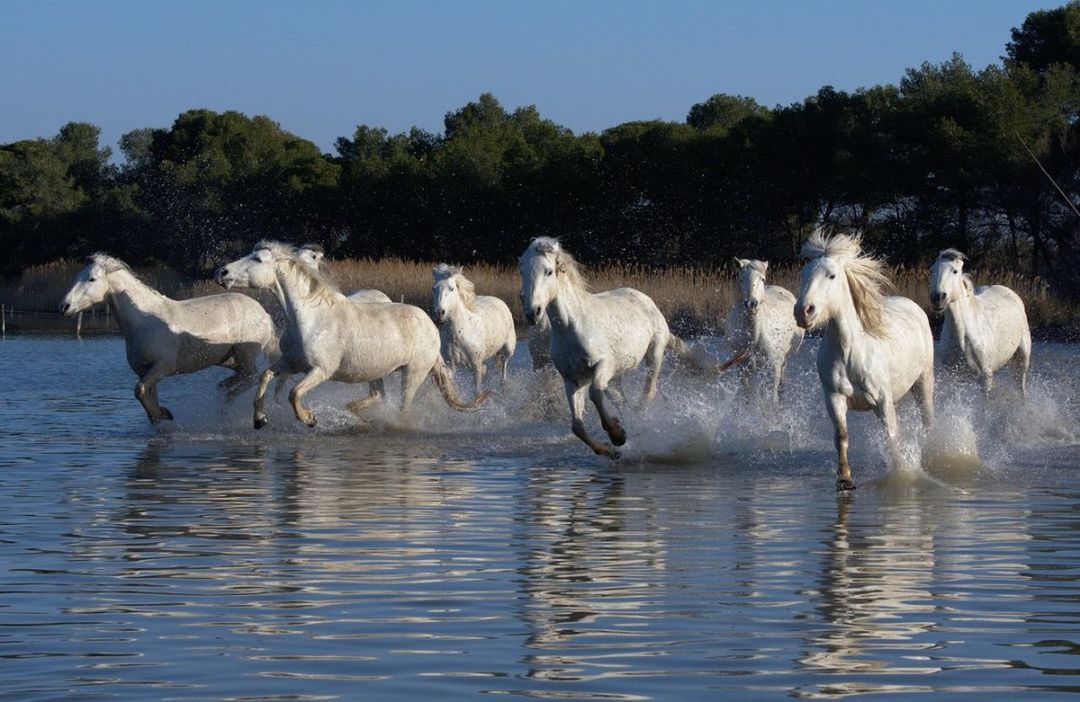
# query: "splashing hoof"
261,422
617,433
310,421
609,451
844,484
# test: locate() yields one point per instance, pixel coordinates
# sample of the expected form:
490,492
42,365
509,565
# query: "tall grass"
695,300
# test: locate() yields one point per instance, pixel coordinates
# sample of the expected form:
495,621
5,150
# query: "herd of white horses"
875,348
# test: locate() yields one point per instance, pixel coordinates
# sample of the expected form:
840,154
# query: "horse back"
377,338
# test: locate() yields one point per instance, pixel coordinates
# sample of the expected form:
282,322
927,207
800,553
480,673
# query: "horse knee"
140,391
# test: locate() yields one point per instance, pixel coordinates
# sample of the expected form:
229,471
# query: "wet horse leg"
146,392
837,407
601,377
576,397
375,395
296,396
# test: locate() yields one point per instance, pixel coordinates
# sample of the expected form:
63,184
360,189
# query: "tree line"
949,156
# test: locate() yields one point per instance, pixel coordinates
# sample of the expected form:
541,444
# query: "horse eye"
832,276
550,272
93,279
956,272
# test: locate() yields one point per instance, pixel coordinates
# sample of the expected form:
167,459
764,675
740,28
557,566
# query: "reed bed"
694,300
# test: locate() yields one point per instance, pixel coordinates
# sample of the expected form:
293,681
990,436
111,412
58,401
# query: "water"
449,556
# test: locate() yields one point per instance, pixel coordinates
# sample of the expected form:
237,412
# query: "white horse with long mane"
313,255
760,327
874,348
594,337
166,337
473,328
257,270
351,342
985,329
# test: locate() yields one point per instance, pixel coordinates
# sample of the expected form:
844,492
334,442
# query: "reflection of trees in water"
880,591
592,557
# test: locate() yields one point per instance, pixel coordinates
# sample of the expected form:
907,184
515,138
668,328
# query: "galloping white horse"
166,337
256,270
352,342
473,327
761,325
874,348
313,256
984,329
594,338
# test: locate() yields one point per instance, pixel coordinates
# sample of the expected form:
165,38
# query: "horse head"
449,288
545,266
840,274
947,279
92,284
256,270
752,282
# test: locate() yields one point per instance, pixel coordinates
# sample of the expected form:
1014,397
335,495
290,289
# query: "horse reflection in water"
878,598
588,561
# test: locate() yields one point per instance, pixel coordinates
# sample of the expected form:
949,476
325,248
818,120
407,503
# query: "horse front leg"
259,419
611,424
296,396
576,397
146,392
837,406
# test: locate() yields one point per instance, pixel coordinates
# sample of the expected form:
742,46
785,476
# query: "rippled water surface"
445,556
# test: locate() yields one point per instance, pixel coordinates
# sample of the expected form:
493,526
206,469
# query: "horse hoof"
617,434
165,414
261,422
311,422
844,484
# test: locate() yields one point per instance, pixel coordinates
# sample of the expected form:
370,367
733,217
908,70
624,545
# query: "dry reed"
695,300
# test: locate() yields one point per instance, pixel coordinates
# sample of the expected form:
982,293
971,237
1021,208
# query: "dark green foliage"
937,160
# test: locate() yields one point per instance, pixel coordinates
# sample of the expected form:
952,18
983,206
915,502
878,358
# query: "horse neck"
294,298
844,330
133,301
569,304
460,314
962,316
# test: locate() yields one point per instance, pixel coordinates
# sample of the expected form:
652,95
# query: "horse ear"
764,267
738,262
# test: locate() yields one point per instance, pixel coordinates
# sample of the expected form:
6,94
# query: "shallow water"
448,555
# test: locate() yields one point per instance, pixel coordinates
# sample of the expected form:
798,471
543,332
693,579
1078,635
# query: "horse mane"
317,248
565,262
951,254
865,274
111,264
319,285
759,266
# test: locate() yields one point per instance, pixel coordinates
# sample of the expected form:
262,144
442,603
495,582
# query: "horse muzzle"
751,305
534,316
939,301
804,316
223,278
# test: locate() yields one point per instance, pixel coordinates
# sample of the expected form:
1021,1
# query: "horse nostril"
809,309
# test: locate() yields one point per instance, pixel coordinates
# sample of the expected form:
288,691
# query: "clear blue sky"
321,68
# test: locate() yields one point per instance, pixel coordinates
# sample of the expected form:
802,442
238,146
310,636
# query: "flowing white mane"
319,285
111,264
565,263
865,275
951,255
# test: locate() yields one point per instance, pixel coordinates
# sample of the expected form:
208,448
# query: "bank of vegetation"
950,155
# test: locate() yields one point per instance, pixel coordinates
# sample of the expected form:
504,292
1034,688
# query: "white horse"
761,326
166,337
313,256
256,270
351,342
474,328
594,338
874,348
985,329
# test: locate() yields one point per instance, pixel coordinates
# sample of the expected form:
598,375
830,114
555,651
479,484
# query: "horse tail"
446,386
697,359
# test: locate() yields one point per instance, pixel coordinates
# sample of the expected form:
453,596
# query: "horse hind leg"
411,380
245,357
375,396
924,395
575,396
654,360
1022,363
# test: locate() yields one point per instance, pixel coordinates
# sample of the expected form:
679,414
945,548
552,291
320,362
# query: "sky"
320,68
